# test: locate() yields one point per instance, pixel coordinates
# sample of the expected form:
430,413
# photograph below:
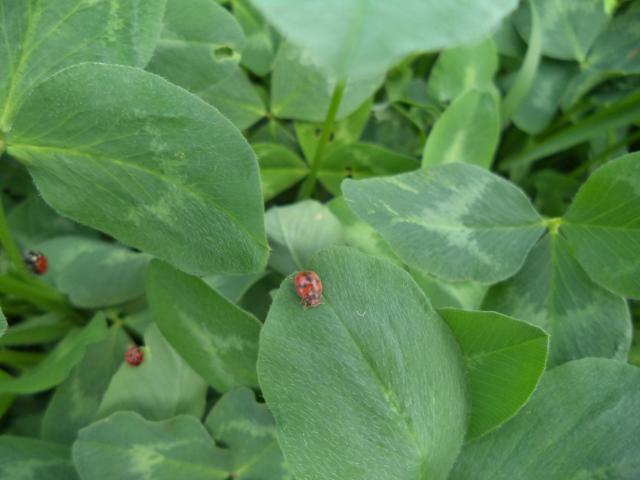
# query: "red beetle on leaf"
134,356
309,288
36,262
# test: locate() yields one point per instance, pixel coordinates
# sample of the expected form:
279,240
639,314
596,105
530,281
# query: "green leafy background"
462,176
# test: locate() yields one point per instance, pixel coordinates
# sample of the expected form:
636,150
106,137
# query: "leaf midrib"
285,237
254,459
486,353
164,178
570,32
25,53
194,43
388,394
299,170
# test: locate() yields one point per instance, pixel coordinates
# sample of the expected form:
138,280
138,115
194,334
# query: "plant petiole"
310,182
553,224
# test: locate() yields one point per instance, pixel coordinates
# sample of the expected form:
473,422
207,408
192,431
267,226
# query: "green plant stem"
553,224
19,359
615,116
310,182
605,155
47,299
10,247
18,307
24,285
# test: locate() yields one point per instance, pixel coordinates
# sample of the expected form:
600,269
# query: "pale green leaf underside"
198,46
74,261
568,28
216,338
75,402
369,384
126,152
40,37
443,294
248,430
162,387
456,221
261,43
578,424
603,225
541,103
237,99
30,459
358,234
360,160
553,292
356,38
233,287
302,91
614,53
504,358
32,221
468,131
462,68
199,50
296,232
507,41
58,364
124,446
121,279
280,168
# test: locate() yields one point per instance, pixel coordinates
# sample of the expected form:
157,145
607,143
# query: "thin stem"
16,307
49,300
605,155
616,115
13,252
310,182
25,285
553,225
20,360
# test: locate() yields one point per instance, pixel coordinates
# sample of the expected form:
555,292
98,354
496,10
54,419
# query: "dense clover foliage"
460,175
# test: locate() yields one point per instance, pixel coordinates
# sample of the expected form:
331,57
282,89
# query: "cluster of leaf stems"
21,283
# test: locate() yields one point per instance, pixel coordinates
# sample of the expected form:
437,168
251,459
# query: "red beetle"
134,356
36,262
309,288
